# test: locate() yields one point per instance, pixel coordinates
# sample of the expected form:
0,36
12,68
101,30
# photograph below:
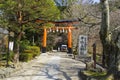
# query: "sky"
97,0
60,1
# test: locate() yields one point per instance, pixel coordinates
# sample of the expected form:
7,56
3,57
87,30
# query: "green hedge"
26,57
35,50
30,53
27,51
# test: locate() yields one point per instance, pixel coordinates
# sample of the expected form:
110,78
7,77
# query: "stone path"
50,66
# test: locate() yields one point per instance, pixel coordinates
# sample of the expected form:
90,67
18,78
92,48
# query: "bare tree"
110,41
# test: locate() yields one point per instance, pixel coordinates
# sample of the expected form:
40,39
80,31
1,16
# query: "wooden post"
44,41
69,41
94,54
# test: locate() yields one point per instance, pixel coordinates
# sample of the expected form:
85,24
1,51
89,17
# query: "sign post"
83,40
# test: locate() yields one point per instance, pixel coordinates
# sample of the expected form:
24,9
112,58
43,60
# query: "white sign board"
83,40
11,46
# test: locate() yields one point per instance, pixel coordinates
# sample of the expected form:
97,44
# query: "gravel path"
50,66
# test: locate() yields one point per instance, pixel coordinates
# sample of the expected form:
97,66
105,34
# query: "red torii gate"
69,28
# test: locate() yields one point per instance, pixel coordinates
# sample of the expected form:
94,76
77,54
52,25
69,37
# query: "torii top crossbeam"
58,22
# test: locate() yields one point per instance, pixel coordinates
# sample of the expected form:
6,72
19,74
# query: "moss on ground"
91,73
98,75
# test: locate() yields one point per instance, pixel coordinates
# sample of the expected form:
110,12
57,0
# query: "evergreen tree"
16,16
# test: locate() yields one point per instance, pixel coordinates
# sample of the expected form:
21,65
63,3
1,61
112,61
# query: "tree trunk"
18,38
104,32
110,42
16,57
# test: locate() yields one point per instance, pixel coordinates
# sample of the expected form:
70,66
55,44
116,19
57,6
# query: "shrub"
75,52
11,55
30,53
26,57
0,56
35,50
49,48
24,45
4,56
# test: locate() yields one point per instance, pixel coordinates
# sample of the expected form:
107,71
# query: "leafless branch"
94,16
92,24
115,29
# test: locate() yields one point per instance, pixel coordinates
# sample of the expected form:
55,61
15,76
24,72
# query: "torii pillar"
44,41
69,41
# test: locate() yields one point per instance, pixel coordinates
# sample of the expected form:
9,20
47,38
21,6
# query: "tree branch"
115,29
94,16
92,24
